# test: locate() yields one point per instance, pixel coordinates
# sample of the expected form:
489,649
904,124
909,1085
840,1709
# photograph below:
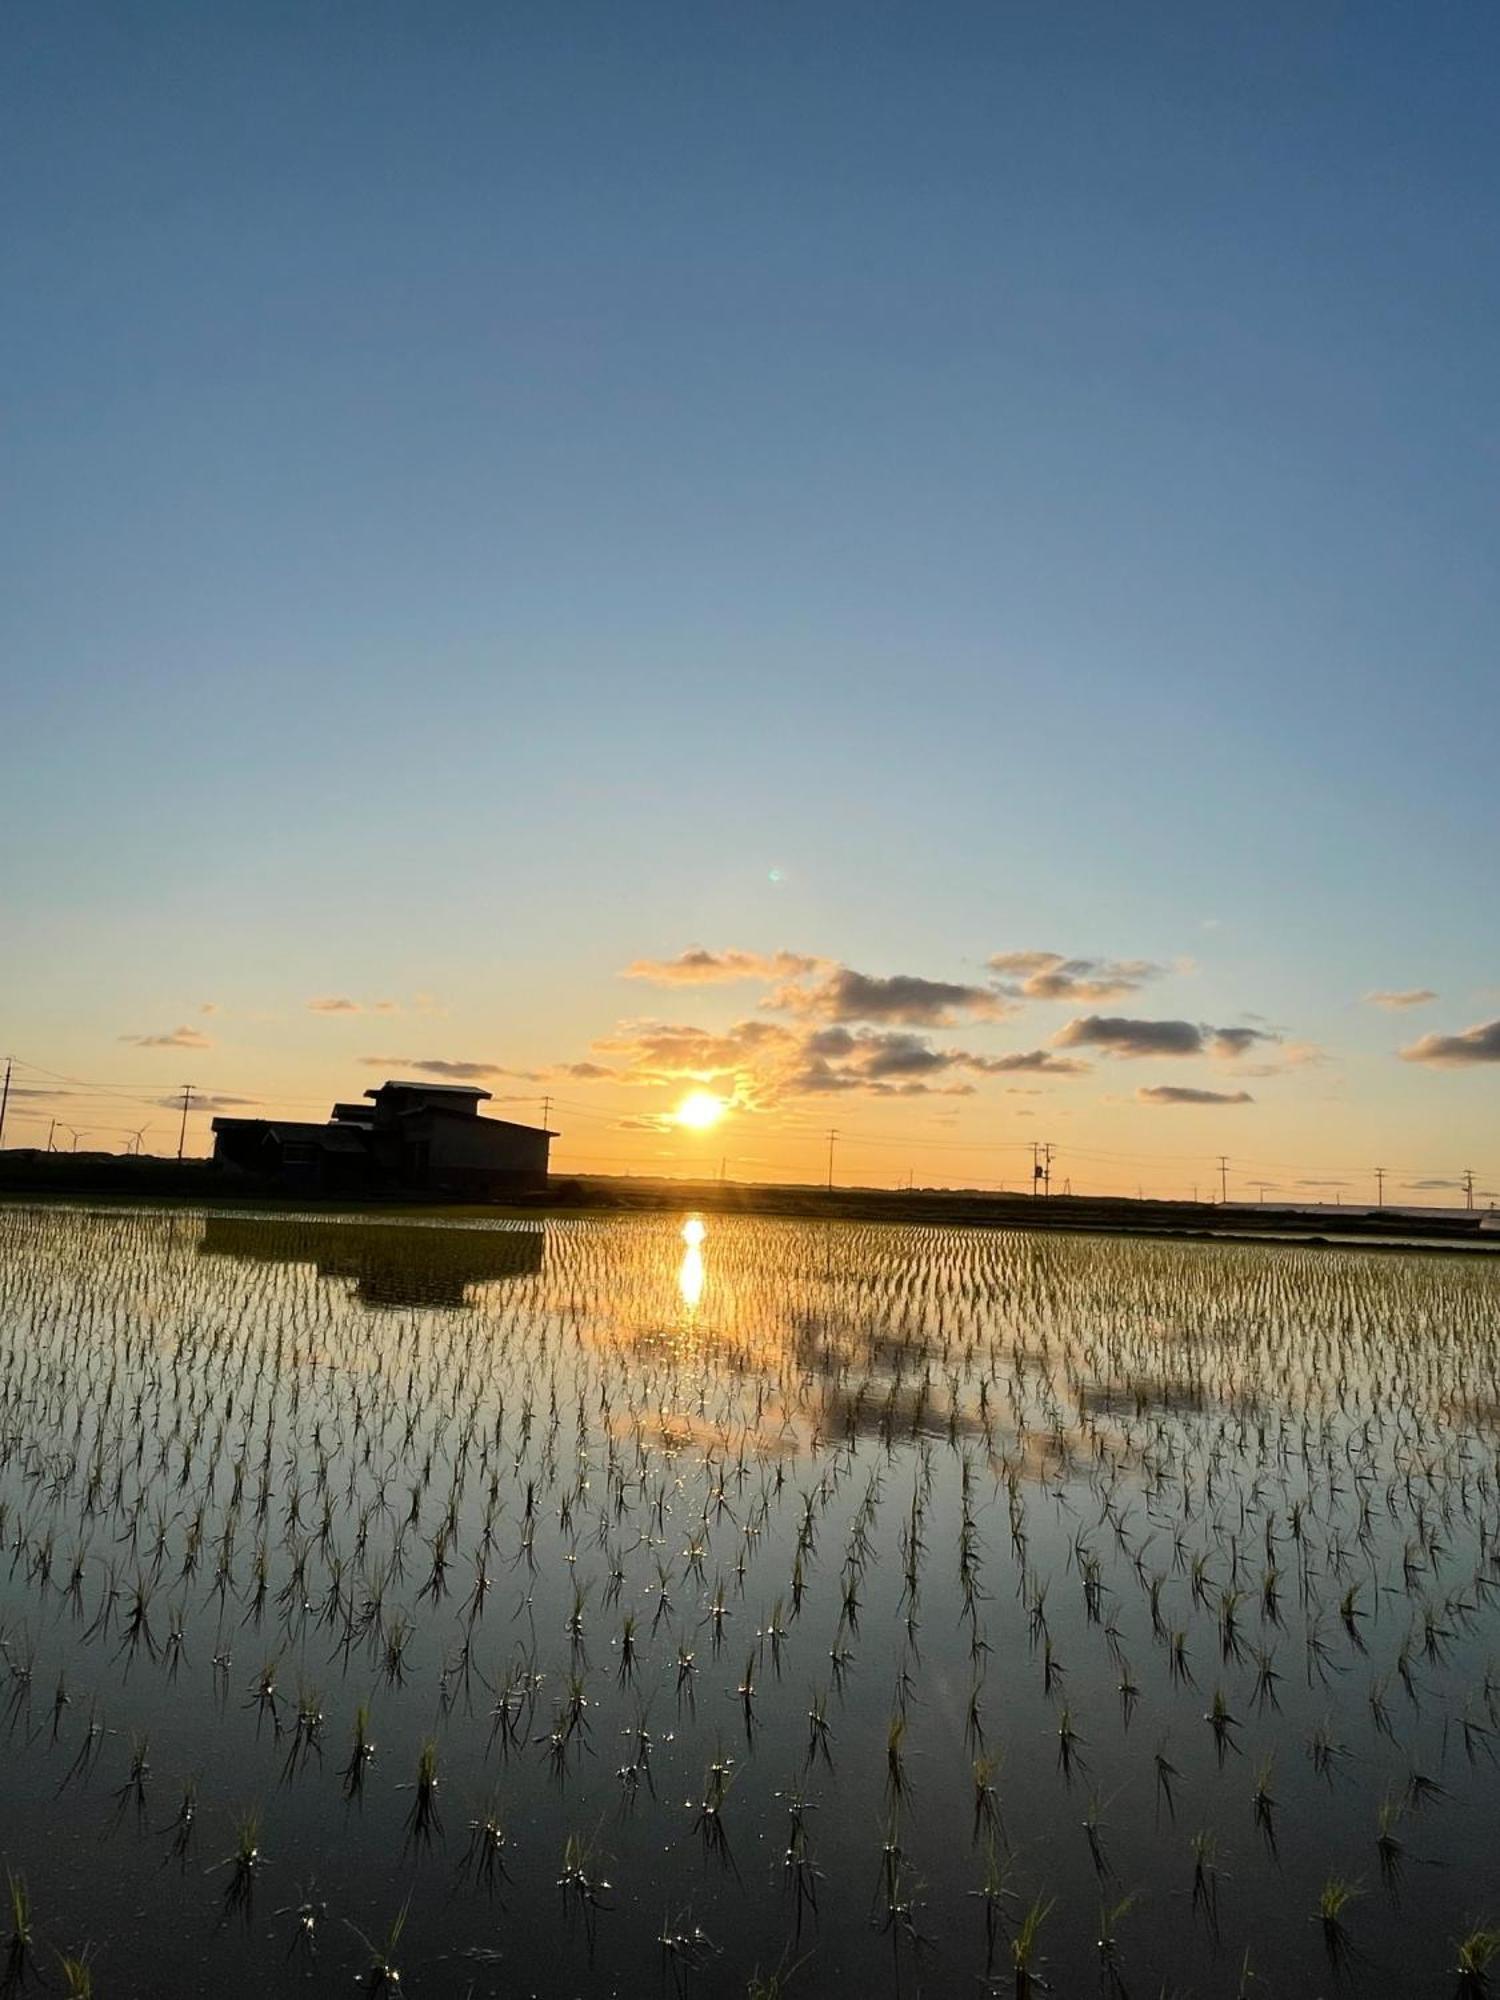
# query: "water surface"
808,1598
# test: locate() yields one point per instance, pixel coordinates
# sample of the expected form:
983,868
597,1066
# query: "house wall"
477,1151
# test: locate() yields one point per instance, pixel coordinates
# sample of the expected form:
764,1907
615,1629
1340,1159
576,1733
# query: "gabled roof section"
454,1090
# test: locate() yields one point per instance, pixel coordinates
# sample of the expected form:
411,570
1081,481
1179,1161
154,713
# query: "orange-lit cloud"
1047,975
175,1038
444,1066
898,999
697,967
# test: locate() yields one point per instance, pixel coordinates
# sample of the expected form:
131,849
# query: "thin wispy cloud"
1176,1093
697,967
203,1100
447,1067
174,1038
1479,1044
1048,975
334,1004
1409,996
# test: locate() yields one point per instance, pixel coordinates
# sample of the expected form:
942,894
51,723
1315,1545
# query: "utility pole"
187,1092
4,1096
1047,1167
1036,1165
1469,1185
546,1111
1224,1178
832,1135
1380,1187
52,1127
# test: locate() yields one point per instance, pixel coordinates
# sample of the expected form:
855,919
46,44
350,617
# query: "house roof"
489,1124
431,1089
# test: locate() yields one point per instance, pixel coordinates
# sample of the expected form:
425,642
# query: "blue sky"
486,487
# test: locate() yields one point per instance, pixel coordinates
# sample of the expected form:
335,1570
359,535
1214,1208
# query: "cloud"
1234,1042
1413,1186
177,1038
385,1007
442,1066
1040,1061
582,1072
209,1007
697,967
203,1100
1118,1035
902,999
1294,1055
1173,1093
334,1004
1411,996
757,1063
1479,1044
1047,975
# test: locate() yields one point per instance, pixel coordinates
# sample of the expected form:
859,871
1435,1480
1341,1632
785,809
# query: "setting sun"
700,1109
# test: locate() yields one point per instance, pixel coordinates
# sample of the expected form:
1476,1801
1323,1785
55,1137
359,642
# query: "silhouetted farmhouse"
412,1138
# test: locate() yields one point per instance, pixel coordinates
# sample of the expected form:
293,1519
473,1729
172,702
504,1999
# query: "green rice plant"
1025,1945
76,1974
382,1975
1334,1898
424,1821
1477,1952
18,1949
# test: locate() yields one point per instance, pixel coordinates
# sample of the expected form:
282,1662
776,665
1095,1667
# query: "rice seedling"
1334,1898
1025,1951
382,1975
1477,1952
21,1940
76,1974
484,1857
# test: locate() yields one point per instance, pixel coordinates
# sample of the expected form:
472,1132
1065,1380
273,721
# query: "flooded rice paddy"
586,1607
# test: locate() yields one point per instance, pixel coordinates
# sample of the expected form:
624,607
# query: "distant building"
411,1138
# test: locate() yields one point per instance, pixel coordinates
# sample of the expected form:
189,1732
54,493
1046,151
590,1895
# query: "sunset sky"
929,571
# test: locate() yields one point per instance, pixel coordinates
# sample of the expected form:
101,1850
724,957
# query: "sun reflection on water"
690,1273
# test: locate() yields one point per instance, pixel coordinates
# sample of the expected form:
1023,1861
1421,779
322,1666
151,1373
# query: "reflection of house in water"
410,1138
390,1264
